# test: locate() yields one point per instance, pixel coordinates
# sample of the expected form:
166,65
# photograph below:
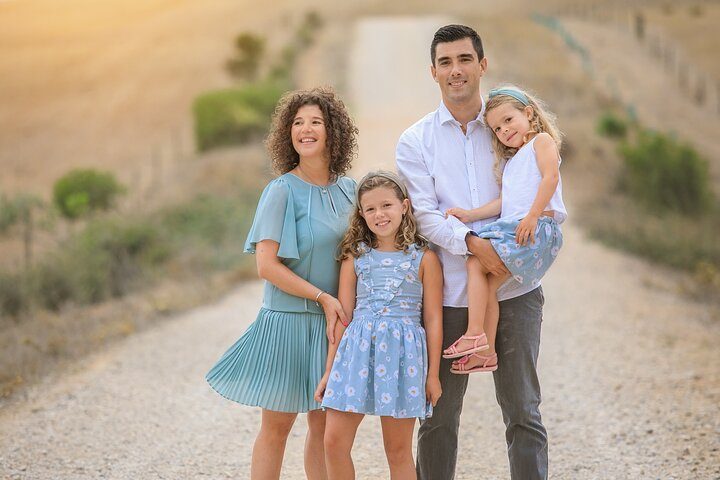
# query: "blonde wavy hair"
358,233
542,121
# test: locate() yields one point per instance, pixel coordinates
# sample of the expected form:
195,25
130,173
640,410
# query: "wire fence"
629,18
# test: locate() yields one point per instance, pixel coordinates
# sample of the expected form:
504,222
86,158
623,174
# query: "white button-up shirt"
443,168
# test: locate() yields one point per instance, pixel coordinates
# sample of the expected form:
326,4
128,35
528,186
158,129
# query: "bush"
663,174
8,213
52,283
84,190
102,261
110,254
612,126
210,229
234,116
12,297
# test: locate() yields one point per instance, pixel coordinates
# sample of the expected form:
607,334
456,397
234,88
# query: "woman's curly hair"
542,121
341,142
359,235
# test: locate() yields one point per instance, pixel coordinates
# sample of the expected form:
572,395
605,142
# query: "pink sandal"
479,344
489,364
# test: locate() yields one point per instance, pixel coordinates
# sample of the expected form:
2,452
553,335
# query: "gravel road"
629,372
629,369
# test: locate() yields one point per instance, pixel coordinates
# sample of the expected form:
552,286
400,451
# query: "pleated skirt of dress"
276,364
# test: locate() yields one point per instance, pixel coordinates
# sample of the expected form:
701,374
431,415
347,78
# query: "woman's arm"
270,268
346,296
432,280
490,209
548,163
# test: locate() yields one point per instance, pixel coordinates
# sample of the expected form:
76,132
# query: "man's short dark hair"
452,33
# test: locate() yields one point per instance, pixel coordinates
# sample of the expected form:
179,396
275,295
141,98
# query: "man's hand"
483,251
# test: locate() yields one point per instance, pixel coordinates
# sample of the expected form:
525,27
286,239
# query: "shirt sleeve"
448,233
275,220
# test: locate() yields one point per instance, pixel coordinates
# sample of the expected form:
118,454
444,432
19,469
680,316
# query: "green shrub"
110,255
234,116
84,190
52,282
8,213
210,229
663,174
12,297
611,125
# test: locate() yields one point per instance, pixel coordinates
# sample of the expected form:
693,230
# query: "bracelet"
317,297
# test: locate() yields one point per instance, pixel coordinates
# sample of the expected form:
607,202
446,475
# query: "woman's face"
308,132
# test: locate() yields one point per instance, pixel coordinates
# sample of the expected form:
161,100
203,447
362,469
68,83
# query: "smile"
307,140
458,83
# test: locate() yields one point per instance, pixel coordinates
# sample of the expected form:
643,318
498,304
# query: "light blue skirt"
528,263
276,364
380,368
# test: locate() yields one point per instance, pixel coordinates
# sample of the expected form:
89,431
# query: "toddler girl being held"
527,237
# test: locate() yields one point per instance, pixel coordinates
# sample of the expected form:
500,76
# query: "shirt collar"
446,116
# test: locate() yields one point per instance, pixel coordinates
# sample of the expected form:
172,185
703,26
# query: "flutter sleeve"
275,220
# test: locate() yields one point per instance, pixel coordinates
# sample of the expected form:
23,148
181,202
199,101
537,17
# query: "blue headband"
516,94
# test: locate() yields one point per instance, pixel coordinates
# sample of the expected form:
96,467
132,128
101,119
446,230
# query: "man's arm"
448,233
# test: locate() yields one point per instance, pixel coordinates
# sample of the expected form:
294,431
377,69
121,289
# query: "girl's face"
510,124
383,211
308,132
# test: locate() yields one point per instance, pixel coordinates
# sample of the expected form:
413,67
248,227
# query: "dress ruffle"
276,364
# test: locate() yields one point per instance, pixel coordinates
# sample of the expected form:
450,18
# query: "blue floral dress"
380,367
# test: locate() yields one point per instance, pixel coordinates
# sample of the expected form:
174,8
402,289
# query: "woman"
299,222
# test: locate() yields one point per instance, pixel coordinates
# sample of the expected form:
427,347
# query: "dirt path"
629,370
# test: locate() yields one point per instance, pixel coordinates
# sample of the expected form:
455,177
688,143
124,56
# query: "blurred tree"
20,210
249,49
82,191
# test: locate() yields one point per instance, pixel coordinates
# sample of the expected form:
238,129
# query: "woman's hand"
320,390
333,312
433,390
459,213
525,231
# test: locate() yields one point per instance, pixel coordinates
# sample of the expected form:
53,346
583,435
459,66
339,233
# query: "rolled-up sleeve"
448,233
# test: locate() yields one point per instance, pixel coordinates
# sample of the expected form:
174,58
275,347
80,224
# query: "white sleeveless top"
520,182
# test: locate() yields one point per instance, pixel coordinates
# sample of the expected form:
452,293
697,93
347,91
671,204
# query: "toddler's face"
510,124
383,211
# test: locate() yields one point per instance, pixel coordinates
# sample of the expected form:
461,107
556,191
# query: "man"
446,159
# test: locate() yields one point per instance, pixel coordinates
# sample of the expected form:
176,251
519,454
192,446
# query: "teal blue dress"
279,360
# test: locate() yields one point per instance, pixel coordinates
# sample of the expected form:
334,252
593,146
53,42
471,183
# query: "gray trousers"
516,387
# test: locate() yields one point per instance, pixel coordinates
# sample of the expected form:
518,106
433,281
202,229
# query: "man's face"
458,71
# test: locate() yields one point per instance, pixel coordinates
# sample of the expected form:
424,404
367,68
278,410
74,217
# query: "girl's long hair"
542,121
358,232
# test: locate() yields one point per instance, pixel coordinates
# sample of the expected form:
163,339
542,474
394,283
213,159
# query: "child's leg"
340,429
492,315
477,288
397,438
492,312
314,450
269,445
